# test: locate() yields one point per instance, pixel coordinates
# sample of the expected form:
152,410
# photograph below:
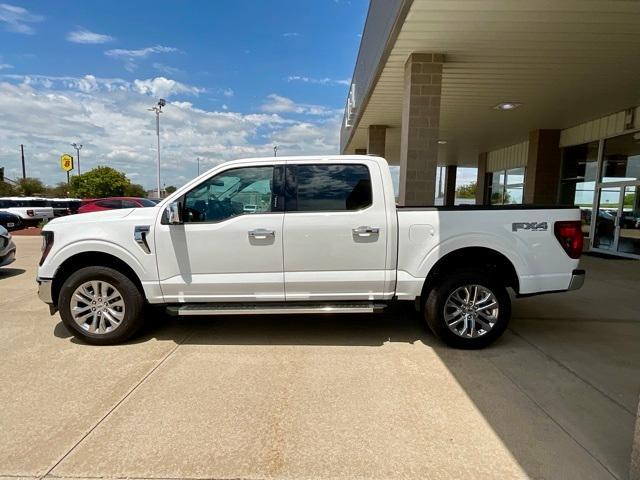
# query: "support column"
420,126
481,180
377,141
634,471
450,185
361,151
543,168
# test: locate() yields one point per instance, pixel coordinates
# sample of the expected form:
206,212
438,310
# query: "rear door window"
328,188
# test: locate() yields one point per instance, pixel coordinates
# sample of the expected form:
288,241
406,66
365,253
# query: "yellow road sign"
66,162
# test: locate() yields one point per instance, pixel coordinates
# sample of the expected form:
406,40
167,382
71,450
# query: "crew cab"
304,235
31,210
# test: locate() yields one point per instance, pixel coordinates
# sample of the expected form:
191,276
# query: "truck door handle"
364,231
261,233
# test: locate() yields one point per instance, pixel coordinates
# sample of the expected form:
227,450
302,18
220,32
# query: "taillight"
30,213
569,234
47,243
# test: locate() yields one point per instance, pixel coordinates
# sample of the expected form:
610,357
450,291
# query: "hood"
106,215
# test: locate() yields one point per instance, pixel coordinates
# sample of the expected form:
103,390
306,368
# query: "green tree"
135,190
6,189
61,190
99,182
31,186
170,189
466,191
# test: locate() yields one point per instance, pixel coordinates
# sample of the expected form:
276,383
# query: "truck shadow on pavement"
399,324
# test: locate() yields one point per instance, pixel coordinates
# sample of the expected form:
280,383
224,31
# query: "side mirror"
173,214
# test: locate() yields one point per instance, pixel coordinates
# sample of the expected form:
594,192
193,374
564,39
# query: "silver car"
7,248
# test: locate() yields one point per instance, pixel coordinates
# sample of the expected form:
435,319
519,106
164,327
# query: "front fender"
58,257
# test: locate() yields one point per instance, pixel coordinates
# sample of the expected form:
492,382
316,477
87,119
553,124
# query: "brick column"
377,141
543,168
420,125
450,185
481,181
634,471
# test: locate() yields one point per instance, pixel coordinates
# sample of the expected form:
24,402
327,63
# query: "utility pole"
275,150
158,110
198,166
78,147
24,170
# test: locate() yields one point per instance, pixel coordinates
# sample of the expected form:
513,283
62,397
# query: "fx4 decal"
530,226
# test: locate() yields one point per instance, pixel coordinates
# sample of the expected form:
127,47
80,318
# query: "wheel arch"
490,260
91,259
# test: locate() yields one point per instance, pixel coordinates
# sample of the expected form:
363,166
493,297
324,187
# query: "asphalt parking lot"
324,397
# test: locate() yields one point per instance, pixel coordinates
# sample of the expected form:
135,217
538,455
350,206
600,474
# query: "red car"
111,203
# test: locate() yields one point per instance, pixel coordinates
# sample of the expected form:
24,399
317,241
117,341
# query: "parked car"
64,206
114,203
10,221
31,210
7,248
325,237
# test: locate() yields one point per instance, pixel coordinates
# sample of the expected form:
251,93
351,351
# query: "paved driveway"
324,397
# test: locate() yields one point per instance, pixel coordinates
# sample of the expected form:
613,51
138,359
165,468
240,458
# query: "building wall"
607,126
505,158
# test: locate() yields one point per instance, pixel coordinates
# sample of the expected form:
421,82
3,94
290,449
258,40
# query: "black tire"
435,308
133,301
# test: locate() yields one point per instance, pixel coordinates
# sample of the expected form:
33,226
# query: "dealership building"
540,96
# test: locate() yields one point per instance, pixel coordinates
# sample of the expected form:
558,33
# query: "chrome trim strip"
577,280
44,290
189,310
140,235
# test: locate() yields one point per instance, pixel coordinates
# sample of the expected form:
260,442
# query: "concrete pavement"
324,397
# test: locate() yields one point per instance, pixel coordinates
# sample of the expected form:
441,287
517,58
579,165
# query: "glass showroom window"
621,159
578,179
507,187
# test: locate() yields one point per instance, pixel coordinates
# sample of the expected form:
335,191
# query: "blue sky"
239,76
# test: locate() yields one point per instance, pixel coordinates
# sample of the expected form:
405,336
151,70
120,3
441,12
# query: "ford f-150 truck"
304,235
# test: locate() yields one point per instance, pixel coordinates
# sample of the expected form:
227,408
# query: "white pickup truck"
304,235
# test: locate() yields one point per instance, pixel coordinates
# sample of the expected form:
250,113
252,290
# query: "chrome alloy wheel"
97,307
471,311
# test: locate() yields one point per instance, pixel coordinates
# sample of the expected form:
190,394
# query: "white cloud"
291,34
228,92
82,35
161,67
5,66
110,118
317,81
164,87
17,19
279,104
129,57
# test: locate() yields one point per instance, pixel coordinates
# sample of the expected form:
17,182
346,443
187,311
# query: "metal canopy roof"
565,61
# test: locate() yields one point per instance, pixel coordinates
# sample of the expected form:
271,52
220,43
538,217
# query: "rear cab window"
328,187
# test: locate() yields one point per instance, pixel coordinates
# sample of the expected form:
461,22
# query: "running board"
274,308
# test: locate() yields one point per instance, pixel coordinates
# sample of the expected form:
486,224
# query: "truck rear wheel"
100,306
468,309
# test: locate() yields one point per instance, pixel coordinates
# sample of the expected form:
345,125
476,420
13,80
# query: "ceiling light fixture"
505,106
442,142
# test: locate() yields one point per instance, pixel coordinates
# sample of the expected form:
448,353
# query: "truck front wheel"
468,309
100,305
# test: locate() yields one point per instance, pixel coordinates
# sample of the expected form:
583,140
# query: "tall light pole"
78,147
275,150
158,109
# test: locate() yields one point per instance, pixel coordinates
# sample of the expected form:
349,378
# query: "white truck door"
335,231
229,247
